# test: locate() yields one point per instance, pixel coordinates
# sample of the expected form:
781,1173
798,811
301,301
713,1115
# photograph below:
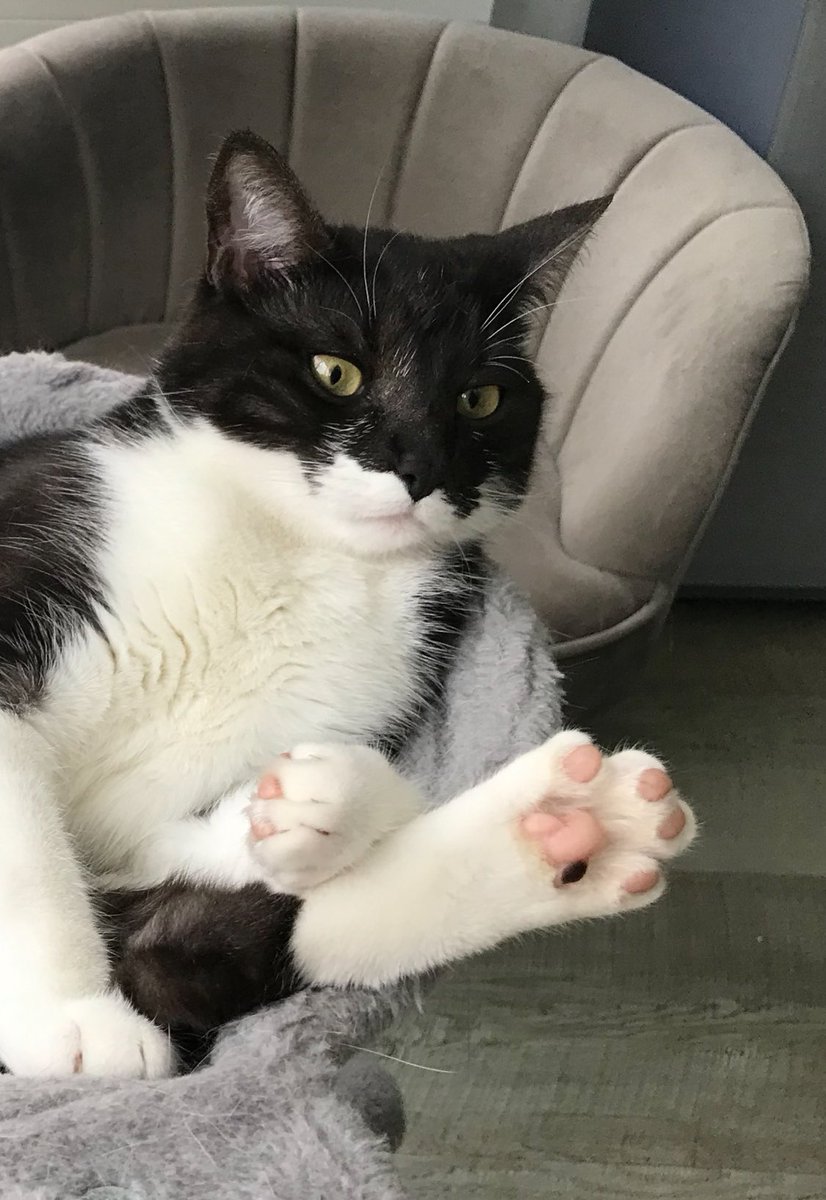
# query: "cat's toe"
320,808
642,882
646,809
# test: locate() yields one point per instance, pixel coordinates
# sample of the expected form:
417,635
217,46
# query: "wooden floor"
679,1054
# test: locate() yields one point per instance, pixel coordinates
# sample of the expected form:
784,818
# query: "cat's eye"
480,402
339,376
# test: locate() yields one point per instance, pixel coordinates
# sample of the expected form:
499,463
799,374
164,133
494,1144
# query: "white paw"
92,1035
320,809
591,831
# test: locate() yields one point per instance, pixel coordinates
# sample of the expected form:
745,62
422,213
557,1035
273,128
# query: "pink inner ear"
260,219
260,223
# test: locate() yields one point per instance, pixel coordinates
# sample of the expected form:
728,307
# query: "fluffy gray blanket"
273,1114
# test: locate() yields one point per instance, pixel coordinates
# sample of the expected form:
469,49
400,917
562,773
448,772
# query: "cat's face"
384,374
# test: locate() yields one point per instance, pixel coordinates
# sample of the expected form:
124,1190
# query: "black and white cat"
274,547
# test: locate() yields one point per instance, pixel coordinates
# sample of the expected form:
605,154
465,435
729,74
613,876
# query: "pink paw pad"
261,828
565,837
653,784
269,788
583,763
643,881
673,824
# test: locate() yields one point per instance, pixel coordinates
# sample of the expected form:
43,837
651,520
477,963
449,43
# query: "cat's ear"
260,222
542,251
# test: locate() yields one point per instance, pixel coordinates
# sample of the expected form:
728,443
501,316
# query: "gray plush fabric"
270,1116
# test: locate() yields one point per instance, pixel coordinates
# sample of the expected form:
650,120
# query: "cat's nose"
417,476
417,488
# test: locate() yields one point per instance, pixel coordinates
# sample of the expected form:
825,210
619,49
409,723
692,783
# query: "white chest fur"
227,639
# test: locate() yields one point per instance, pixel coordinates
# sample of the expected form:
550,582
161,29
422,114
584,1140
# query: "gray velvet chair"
662,339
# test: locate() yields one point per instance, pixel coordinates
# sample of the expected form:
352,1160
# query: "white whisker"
324,258
384,250
497,362
339,313
366,229
523,316
560,249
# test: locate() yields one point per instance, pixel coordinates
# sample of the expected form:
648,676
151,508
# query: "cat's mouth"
397,529
400,520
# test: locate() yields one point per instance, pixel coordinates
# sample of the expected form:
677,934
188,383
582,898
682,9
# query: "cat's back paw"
596,827
320,808
98,1035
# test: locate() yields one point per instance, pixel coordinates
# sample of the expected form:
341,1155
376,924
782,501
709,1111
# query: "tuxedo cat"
224,604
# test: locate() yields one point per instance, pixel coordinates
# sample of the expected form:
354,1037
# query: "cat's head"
385,374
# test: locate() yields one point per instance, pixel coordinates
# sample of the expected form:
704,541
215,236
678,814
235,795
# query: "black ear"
259,220
543,250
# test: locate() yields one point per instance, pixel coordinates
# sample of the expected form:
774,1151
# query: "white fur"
337,803
241,620
255,643
249,609
56,1015
463,877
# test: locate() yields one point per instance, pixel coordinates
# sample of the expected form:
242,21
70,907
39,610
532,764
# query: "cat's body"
221,641
275,548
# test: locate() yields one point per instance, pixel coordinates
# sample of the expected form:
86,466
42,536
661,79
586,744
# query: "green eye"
480,402
339,376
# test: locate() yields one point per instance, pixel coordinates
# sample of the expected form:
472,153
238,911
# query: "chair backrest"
663,333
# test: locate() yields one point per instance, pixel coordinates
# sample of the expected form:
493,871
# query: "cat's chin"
384,535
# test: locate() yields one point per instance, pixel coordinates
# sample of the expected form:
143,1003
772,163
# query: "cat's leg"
213,848
560,834
315,812
59,1014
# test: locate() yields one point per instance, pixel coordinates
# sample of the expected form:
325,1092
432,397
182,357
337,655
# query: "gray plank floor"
680,1052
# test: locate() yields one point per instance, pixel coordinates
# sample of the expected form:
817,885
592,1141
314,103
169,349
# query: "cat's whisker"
405,1062
580,299
339,313
346,282
512,357
497,362
512,342
384,250
523,316
560,249
364,244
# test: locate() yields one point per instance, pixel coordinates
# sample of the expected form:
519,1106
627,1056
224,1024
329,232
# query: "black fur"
48,510
412,314
424,321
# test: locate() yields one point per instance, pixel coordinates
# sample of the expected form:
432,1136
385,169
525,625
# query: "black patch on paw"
574,872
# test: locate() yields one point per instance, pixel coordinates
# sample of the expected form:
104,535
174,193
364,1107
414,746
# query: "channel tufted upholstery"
663,335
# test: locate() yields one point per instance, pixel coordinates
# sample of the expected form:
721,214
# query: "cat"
224,605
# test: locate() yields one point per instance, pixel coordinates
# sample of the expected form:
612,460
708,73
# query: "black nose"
417,476
417,488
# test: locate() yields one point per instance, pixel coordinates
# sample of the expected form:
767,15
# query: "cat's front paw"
91,1035
319,809
600,826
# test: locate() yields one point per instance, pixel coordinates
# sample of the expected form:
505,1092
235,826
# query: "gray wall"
562,20
24,18
732,57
